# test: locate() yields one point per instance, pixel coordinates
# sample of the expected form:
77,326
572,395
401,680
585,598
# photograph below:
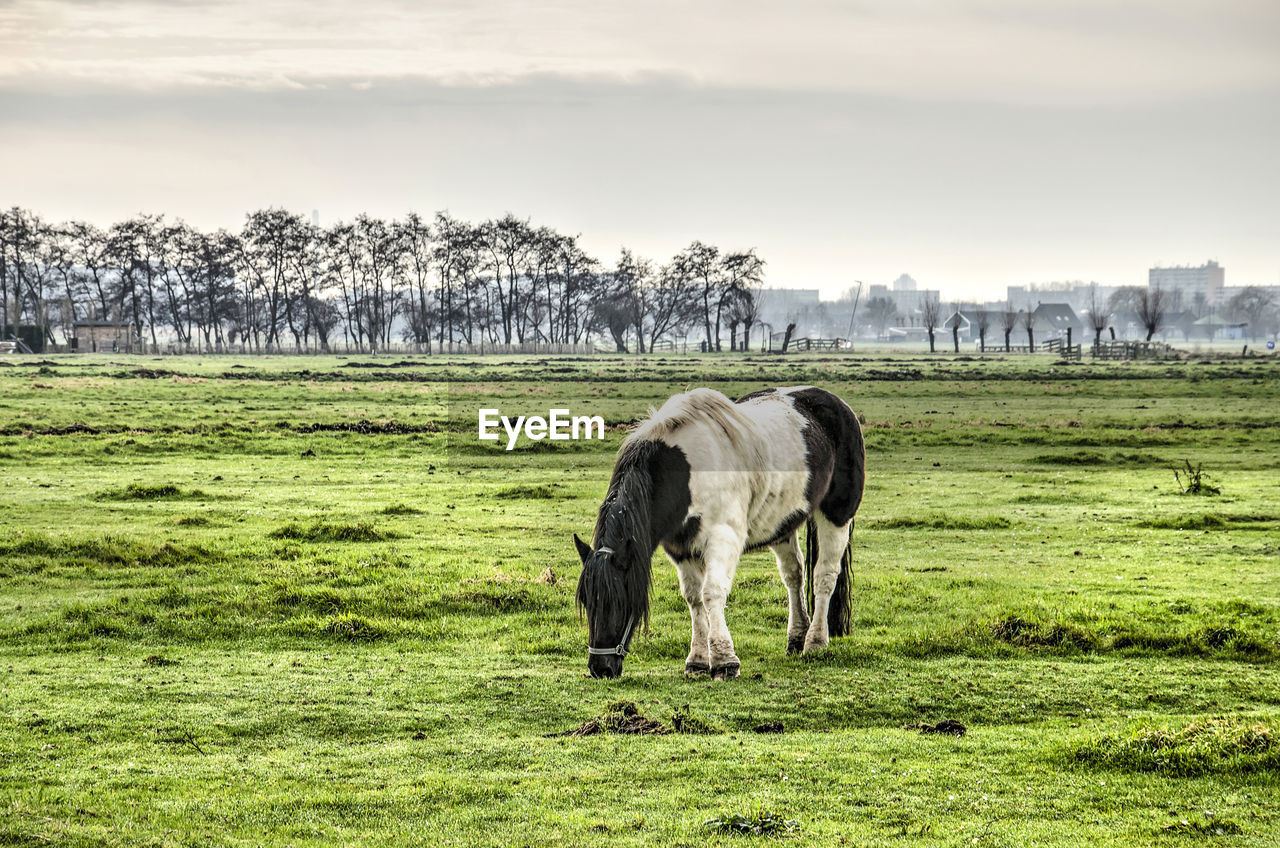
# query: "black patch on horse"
679,545
835,433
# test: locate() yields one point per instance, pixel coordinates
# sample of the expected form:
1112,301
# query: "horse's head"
615,605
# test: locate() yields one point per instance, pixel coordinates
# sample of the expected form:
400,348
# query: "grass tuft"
684,720
943,522
354,628
1216,746
324,532
1210,521
1025,633
759,823
1208,826
162,492
400,509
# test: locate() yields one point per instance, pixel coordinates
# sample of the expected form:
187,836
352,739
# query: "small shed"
94,336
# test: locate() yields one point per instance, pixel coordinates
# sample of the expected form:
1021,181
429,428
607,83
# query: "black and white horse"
709,479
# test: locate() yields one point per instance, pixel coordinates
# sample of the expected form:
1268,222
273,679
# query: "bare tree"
1152,306
1008,320
930,315
743,279
422,307
698,264
1027,317
983,317
1099,314
670,303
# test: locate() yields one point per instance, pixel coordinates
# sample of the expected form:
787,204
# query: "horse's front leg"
720,562
691,575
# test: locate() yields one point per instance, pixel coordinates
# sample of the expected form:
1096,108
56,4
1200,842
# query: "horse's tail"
840,613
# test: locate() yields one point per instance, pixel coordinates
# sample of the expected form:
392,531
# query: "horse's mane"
706,406
624,524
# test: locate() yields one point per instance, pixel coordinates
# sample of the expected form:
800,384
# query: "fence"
1133,350
818,344
290,350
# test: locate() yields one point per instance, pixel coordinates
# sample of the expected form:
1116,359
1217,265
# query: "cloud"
1069,51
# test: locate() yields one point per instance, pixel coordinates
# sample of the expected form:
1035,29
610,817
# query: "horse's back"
834,444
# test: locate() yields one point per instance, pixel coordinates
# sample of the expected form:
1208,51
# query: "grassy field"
295,601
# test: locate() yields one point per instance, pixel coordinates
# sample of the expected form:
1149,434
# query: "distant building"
1193,288
1052,320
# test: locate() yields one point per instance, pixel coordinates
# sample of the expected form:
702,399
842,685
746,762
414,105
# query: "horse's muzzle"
605,666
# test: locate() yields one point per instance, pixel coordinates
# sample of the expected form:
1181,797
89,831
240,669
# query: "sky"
973,144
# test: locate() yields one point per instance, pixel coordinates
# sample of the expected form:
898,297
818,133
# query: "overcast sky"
973,144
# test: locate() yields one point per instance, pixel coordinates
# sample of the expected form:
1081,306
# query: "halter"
621,650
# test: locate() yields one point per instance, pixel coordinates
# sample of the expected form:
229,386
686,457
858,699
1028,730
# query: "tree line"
283,283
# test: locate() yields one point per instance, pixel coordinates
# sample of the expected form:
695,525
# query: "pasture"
296,601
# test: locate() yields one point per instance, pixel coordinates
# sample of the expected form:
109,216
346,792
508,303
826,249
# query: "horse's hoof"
813,647
695,669
728,671
795,644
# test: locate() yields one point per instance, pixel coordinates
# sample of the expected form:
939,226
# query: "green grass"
294,601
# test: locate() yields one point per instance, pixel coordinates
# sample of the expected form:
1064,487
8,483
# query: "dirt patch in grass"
1115,459
769,727
159,660
622,717
325,532
1215,746
403,363
539,492
946,727
364,427
943,522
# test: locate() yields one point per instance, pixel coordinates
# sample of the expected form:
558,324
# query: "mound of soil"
946,727
620,717
768,727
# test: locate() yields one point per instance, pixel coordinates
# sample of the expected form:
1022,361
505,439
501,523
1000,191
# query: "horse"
709,479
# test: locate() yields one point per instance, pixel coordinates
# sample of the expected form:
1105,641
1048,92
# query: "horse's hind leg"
792,571
832,541
691,578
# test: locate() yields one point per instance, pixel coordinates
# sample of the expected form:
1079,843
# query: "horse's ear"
584,550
